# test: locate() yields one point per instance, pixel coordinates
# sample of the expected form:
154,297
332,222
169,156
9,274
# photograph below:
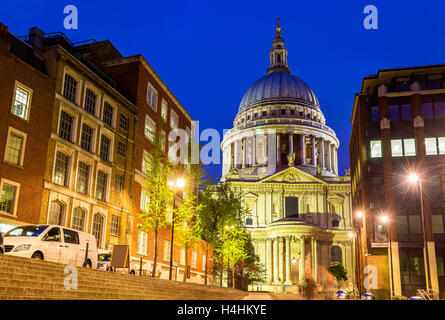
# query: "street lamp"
353,236
414,178
178,184
387,223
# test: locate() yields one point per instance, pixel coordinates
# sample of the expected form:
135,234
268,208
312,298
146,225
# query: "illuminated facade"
283,157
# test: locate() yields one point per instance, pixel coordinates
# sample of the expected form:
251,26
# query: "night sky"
210,52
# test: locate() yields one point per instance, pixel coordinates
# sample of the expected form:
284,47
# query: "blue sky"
210,52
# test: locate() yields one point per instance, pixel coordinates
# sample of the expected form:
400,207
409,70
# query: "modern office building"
398,131
283,157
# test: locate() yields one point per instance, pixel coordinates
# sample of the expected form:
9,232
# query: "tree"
222,206
187,223
339,272
158,194
251,268
232,249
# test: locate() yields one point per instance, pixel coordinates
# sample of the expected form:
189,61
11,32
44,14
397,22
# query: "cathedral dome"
278,87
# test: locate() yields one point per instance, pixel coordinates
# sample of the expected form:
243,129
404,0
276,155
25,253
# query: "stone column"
236,157
291,142
254,149
329,156
314,260
269,260
288,262
244,150
314,151
335,161
303,148
280,260
275,261
278,149
302,271
323,164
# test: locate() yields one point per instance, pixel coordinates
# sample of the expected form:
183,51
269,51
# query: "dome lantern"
278,54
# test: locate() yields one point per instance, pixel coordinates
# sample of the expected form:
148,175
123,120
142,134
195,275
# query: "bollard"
85,262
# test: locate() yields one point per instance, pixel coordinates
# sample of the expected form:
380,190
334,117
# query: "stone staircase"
28,279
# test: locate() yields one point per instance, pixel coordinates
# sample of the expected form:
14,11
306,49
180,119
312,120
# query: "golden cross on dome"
278,28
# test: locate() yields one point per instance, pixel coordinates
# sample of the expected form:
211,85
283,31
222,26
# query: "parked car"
2,247
104,260
52,243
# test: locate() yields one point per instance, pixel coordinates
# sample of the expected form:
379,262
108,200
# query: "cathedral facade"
283,158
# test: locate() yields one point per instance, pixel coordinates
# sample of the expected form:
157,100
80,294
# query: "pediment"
292,175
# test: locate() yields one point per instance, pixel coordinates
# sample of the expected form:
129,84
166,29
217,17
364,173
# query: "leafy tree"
251,268
233,247
339,272
187,224
157,192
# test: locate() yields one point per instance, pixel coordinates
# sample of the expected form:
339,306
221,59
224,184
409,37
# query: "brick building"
399,129
80,118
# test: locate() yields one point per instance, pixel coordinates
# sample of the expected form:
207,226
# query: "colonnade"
251,150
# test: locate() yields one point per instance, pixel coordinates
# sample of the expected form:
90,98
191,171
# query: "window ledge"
13,164
18,117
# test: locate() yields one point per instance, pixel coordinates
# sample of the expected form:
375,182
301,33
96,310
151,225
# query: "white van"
51,243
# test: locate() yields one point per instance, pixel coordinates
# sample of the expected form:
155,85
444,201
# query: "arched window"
249,221
336,254
98,222
56,213
78,219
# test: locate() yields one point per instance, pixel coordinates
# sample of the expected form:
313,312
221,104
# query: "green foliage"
233,248
251,267
339,272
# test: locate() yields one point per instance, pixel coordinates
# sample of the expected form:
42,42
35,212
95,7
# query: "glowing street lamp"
384,219
359,214
178,184
414,179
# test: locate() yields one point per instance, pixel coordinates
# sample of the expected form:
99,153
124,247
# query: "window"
174,120
71,236
439,110
414,224
291,206
145,162
98,221
162,140
164,110
396,148
427,110
61,169
150,129
430,146
142,243
65,126
86,137
375,114
21,103
402,224
8,198
121,149
52,235
108,114
118,183
376,148
409,146
204,262
152,97
123,122
336,254
441,145
101,185
249,221
78,219
194,259
105,148
70,88
114,230
83,175
406,112
90,102
56,213
437,221
166,256
15,147
145,201
182,258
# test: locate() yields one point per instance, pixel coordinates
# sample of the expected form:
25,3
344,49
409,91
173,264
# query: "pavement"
279,296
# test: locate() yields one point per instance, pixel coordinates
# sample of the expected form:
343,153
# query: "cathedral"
283,158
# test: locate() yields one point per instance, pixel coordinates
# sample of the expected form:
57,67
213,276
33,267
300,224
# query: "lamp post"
178,184
387,223
359,216
414,178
